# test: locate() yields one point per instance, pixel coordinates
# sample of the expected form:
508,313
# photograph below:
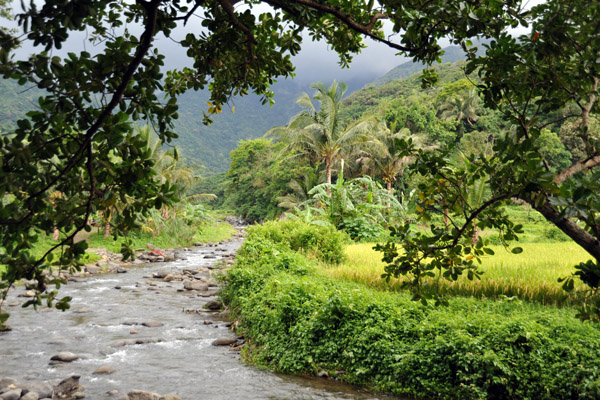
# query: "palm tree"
382,157
167,167
299,191
320,134
461,107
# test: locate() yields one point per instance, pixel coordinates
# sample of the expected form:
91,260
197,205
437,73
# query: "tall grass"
531,275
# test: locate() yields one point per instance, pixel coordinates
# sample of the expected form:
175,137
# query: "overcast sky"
314,62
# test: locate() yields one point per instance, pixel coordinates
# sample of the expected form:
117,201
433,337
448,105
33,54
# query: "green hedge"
298,321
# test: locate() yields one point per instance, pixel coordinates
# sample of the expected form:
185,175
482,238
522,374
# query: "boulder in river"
116,395
13,394
6,382
213,305
65,356
68,387
30,396
105,369
142,395
223,341
170,397
42,389
152,324
92,269
195,285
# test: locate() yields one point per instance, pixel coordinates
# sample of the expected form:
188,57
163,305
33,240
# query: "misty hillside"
210,145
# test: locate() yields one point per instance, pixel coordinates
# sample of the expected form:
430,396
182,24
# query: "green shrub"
296,320
324,243
361,229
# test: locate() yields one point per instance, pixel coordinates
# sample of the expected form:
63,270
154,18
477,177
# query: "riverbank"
297,320
158,327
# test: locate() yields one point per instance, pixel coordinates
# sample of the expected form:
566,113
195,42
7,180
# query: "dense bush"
298,321
324,243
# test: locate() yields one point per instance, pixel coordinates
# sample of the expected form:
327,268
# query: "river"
177,357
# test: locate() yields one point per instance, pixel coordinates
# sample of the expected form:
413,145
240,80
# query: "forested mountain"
211,145
15,101
452,54
207,145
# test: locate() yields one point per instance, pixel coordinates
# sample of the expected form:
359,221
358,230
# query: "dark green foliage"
257,176
298,321
362,229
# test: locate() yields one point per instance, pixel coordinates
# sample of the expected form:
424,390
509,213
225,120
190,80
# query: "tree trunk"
579,235
56,234
328,175
106,229
389,189
476,232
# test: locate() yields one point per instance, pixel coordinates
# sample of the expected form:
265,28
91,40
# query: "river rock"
116,395
105,369
64,356
92,269
30,284
152,324
31,396
195,285
14,394
169,278
223,341
82,310
170,397
142,395
67,387
121,270
213,305
323,374
42,389
6,382
161,274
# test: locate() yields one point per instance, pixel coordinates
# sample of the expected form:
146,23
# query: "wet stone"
214,305
6,382
142,395
153,324
30,396
224,341
14,394
105,369
64,356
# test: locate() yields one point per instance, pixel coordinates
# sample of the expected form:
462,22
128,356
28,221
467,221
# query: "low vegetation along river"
175,353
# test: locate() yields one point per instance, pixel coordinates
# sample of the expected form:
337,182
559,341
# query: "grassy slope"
531,275
212,232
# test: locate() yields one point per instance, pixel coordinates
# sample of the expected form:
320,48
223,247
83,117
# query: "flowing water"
174,358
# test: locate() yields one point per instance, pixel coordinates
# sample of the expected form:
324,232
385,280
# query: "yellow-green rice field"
531,275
